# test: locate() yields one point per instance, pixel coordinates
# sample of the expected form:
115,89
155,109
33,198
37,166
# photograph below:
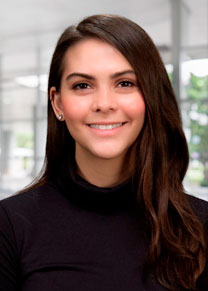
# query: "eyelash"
126,82
79,86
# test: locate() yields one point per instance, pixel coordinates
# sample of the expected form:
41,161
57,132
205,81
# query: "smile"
106,126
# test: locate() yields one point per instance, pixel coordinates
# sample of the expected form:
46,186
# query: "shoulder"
28,214
200,207
30,202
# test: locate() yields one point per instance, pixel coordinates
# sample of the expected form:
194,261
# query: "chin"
109,154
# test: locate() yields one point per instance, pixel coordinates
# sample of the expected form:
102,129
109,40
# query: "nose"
104,101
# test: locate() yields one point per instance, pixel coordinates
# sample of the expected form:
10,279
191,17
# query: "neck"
102,172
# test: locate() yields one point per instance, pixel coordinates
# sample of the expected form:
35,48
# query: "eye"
126,83
81,86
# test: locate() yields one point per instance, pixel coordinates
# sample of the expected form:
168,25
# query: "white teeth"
107,126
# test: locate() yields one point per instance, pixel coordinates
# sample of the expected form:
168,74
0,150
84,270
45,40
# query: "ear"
56,103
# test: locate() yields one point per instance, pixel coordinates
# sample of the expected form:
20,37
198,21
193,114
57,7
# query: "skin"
99,86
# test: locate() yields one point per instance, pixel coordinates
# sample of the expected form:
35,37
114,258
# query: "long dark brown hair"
177,246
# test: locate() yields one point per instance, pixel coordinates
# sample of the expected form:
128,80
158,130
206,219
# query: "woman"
109,211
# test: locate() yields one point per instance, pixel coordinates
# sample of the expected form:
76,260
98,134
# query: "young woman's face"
100,100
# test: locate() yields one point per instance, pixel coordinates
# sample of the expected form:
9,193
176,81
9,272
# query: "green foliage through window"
197,93
25,140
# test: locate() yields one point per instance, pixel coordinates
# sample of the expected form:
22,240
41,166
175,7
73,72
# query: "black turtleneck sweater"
72,236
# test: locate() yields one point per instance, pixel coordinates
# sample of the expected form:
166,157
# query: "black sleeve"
8,254
203,279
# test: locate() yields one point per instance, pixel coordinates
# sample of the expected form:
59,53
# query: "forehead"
92,54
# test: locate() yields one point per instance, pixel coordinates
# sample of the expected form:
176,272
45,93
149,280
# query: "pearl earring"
59,116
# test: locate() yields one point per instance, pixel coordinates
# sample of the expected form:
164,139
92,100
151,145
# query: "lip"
106,132
106,123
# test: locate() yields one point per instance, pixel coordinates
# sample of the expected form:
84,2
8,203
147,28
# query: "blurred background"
29,30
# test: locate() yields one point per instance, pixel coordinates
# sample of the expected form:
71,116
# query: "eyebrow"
89,77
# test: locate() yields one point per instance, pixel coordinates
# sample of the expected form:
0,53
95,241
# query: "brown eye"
81,86
126,84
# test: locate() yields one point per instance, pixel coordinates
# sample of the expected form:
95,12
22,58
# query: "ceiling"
20,19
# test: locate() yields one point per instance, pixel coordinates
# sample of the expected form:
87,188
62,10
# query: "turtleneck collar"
86,195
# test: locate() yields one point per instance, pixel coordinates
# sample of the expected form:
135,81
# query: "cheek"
74,109
135,108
